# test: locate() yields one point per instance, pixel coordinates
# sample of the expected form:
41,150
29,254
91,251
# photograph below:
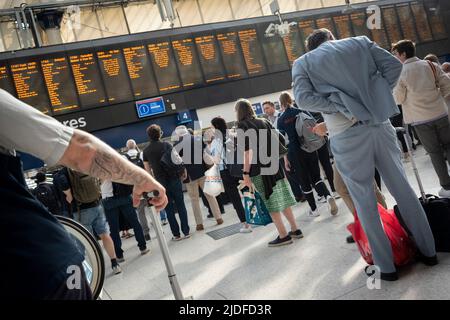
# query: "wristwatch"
245,173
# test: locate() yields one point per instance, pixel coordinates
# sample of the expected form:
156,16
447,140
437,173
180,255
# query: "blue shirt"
286,125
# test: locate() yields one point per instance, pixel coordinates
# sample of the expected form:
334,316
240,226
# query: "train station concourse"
200,150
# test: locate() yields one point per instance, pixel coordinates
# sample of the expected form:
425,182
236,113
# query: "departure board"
87,79
293,44
252,51
209,54
306,28
115,77
60,85
274,51
232,58
436,22
391,24
5,79
29,85
359,25
164,65
187,61
140,71
406,22
423,28
326,23
343,26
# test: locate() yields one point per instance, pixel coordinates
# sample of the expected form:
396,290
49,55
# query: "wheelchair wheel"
94,264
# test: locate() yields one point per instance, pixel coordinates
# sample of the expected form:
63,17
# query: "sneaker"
350,239
177,238
428,261
313,213
280,242
145,251
210,216
117,269
247,229
444,193
121,259
199,227
297,234
336,195
321,199
219,221
332,205
187,236
147,237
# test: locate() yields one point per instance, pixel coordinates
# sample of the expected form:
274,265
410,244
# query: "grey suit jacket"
353,76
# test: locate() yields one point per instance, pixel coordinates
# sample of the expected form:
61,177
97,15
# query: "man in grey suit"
350,81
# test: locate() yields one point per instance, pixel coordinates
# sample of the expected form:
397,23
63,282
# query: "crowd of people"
350,90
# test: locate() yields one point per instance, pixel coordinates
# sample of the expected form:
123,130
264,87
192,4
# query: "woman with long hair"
230,183
273,186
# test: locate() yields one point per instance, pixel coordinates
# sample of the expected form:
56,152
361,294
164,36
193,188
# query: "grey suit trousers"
357,151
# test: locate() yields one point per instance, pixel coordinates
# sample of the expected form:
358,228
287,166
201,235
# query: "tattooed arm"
89,155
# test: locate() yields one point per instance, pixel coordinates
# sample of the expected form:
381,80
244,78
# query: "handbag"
213,182
256,212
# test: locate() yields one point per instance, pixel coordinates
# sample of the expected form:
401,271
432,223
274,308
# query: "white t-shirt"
23,128
107,189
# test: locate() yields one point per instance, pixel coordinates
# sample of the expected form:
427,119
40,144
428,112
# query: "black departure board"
306,28
114,72
87,79
326,23
343,27
391,24
407,22
274,51
209,55
5,79
252,51
29,84
359,24
436,21
140,71
187,61
420,16
293,44
60,85
163,63
231,54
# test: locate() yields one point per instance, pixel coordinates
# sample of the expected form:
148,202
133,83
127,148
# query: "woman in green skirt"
261,170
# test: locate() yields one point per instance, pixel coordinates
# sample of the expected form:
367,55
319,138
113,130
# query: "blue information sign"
150,107
258,108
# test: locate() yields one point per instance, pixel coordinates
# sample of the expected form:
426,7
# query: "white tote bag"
213,182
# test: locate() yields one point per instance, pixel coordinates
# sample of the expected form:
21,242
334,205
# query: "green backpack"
85,189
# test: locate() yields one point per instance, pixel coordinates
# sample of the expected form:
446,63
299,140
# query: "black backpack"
171,168
122,190
136,159
46,194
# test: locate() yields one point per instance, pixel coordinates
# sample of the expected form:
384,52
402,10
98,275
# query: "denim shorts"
93,219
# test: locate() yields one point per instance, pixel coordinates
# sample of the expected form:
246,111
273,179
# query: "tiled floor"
319,266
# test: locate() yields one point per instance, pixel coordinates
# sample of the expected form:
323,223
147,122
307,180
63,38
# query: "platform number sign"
258,108
184,117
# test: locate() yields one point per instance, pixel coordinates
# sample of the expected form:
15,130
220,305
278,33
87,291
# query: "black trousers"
324,158
306,166
230,184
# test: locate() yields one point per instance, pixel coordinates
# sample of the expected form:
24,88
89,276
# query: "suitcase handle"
413,162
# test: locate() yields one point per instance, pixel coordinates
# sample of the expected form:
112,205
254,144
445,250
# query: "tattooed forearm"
89,155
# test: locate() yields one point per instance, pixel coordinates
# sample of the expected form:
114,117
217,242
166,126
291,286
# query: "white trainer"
321,199
247,229
444,193
314,213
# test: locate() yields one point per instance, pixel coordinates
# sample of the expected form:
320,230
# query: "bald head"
131,144
446,67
